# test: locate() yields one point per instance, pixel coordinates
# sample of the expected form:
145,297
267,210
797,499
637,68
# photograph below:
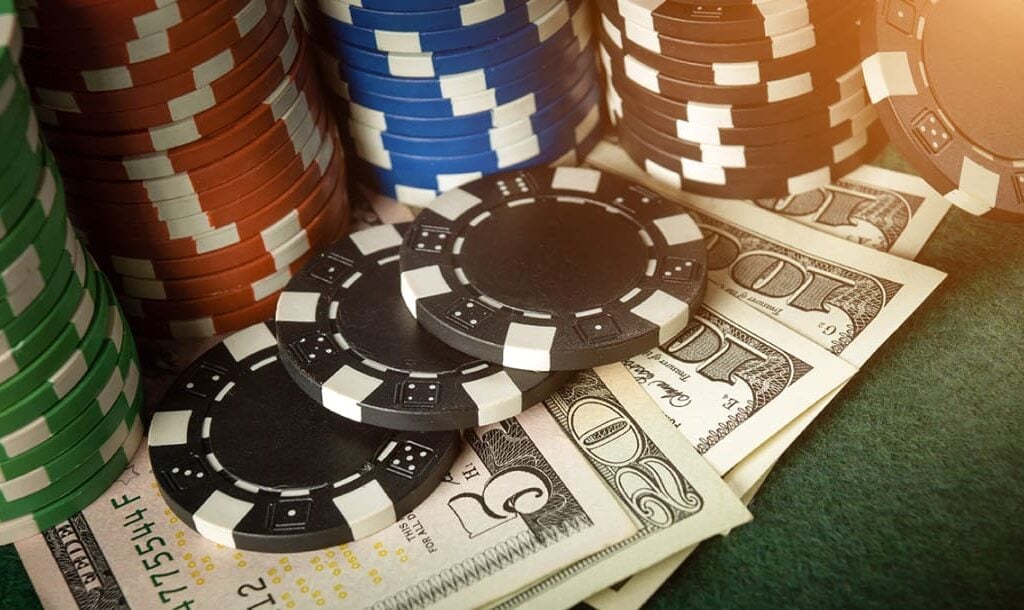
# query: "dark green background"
908,491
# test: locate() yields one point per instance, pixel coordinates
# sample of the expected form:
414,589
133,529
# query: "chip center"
285,459
554,256
974,53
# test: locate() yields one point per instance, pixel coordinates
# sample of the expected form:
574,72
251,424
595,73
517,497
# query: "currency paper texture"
735,377
519,503
524,502
886,211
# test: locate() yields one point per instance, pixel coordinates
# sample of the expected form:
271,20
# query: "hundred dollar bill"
521,502
880,209
875,207
735,377
745,480
675,499
633,592
846,297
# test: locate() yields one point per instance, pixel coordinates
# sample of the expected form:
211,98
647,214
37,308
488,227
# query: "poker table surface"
908,491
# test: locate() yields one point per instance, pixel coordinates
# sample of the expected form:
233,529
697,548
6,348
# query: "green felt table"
908,491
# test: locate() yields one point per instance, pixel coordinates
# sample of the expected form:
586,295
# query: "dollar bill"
523,502
674,497
886,211
735,377
520,503
745,480
633,592
845,297
874,207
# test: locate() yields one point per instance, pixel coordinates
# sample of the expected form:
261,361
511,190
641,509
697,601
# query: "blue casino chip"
431,41
570,128
471,124
492,139
537,85
567,19
419,189
406,5
536,59
411,18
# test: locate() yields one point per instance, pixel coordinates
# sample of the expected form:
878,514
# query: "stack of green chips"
70,392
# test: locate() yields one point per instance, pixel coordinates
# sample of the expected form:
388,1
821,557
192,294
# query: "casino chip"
70,395
439,94
553,269
200,160
296,478
348,340
739,99
947,81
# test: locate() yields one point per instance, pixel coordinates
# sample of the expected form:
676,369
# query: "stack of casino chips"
390,342
201,165
69,376
740,98
437,93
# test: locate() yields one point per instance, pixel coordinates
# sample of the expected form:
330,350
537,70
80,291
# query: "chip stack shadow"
69,375
739,99
201,164
432,95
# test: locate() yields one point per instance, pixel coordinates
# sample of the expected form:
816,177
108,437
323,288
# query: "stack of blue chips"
433,94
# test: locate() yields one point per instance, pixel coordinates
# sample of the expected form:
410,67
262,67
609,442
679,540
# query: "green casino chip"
19,350
16,119
45,209
71,468
32,285
25,185
63,425
10,38
43,298
26,428
76,500
41,255
110,433
26,158
47,377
